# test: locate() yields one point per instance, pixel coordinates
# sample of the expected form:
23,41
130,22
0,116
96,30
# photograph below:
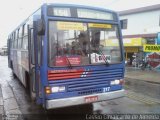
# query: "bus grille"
87,92
91,83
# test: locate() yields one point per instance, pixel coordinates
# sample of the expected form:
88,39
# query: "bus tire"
29,87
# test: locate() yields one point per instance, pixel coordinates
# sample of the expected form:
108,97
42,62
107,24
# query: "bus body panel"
20,64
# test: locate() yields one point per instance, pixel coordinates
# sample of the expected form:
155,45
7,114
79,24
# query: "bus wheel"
29,87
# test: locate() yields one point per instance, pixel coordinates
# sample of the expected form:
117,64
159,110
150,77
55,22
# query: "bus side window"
25,38
39,43
32,47
15,40
20,38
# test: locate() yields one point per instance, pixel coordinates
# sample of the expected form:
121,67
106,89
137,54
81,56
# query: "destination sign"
62,12
80,13
94,14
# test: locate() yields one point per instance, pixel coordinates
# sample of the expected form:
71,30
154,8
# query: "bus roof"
65,5
80,6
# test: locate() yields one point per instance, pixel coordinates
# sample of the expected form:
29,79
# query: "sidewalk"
146,82
1,103
10,105
144,75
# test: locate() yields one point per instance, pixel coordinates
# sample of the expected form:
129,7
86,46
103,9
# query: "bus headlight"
117,82
58,89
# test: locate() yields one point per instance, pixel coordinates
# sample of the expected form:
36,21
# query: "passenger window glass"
68,44
74,43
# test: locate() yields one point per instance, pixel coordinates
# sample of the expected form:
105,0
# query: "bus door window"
32,46
39,43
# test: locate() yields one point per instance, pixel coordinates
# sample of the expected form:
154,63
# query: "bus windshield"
77,43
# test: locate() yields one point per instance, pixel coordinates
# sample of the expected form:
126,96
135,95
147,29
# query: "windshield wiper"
69,63
103,57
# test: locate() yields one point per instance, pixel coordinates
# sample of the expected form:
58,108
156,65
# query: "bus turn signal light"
121,82
48,90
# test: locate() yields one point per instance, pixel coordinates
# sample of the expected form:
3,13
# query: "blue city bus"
68,55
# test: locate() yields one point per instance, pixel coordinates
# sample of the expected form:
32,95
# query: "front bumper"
58,103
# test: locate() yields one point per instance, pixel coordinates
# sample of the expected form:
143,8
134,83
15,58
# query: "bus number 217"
106,89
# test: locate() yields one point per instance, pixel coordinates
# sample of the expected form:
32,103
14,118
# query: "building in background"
139,26
3,50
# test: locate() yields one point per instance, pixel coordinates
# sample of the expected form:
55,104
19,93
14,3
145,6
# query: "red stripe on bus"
64,74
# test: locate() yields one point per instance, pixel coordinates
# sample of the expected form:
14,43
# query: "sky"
13,12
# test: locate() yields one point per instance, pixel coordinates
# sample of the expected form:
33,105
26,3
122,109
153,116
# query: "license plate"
91,99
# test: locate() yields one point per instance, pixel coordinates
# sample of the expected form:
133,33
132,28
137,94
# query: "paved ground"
1,102
10,105
144,75
146,82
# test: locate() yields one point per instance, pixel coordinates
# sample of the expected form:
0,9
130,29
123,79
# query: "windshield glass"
75,44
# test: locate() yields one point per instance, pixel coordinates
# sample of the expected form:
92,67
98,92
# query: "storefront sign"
154,59
127,42
151,48
131,49
133,41
111,42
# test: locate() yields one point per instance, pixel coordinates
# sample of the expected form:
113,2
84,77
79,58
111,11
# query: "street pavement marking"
141,98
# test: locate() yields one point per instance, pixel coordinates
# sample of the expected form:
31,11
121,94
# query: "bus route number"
106,89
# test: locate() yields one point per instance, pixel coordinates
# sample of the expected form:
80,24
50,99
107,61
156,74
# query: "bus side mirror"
40,27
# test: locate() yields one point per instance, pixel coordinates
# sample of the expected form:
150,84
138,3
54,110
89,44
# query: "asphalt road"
16,101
